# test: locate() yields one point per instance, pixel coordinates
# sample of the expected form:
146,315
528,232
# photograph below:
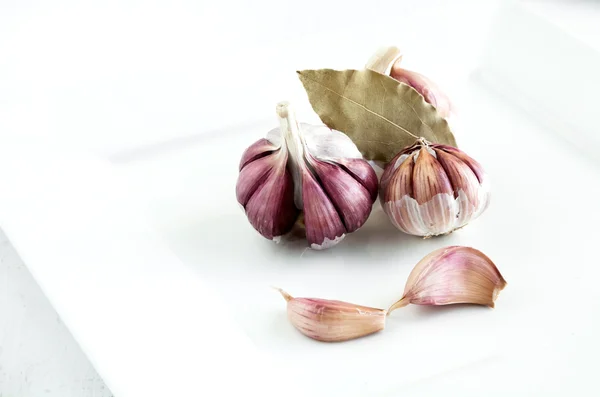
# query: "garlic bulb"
313,170
332,321
431,189
387,61
452,275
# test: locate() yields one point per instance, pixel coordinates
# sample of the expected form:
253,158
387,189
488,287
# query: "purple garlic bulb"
431,189
305,169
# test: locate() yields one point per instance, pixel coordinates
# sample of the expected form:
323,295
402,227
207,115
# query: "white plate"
201,310
152,265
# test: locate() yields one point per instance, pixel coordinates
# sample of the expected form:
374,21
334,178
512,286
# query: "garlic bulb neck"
293,141
383,60
424,142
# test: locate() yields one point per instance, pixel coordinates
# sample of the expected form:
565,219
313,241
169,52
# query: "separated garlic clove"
310,171
387,61
430,189
452,275
332,321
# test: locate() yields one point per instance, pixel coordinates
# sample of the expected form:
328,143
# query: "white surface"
109,76
115,74
577,17
544,327
38,356
84,228
115,265
552,72
532,335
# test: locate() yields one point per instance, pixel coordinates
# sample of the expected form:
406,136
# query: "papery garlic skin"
451,275
332,321
431,189
313,170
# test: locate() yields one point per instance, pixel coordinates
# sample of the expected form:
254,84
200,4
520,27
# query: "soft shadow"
378,241
377,228
228,241
379,232
426,312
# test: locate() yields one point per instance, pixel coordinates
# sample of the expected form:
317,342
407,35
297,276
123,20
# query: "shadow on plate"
378,240
425,312
228,241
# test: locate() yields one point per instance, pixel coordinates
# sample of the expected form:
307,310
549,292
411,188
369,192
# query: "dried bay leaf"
380,114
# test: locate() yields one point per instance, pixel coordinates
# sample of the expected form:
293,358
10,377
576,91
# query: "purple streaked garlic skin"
431,189
452,275
331,320
430,91
266,190
305,169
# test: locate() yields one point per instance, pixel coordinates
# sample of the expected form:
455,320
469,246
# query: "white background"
101,77
114,74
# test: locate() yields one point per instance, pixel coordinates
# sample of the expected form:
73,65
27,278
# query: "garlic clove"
363,172
430,212
331,320
464,182
430,172
400,176
482,190
254,174
270,206
424,86
323,225
349,197
403,216
462,156
258,149
450,275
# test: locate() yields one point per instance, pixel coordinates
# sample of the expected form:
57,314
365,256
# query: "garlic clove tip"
285,295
